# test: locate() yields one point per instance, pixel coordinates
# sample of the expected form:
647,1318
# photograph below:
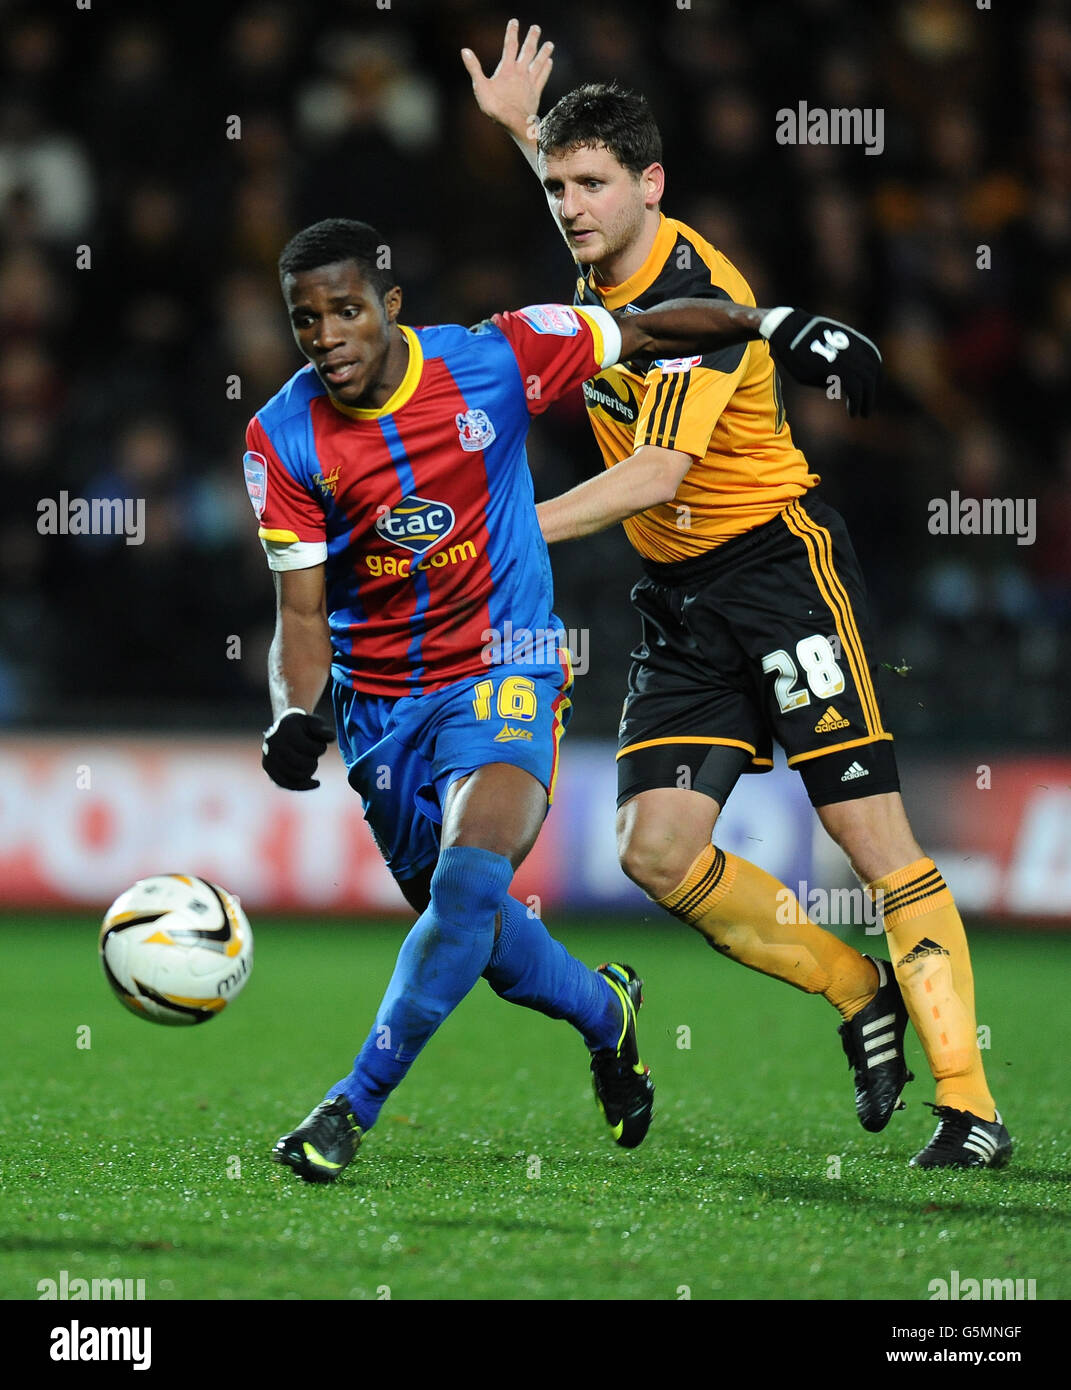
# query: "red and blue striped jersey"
422,511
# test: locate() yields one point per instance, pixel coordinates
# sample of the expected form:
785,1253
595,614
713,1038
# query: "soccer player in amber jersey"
396,510
748,576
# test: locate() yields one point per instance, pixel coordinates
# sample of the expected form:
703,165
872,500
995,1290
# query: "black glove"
293,746
812,349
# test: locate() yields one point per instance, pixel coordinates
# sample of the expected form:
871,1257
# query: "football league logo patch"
474,430
416,523
557,319
676,364
256,481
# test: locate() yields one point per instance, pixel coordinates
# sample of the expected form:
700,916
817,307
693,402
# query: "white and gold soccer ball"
176,949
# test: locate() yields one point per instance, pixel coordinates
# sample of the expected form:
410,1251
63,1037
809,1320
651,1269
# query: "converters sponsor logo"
601,393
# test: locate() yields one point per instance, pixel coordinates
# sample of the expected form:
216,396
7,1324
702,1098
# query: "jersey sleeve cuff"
294,555
772,320
608,335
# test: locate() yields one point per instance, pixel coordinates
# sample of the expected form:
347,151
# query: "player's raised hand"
813,348
292,747
511,94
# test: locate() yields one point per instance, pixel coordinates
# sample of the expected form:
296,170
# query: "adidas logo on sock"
925,947
831,720
856,770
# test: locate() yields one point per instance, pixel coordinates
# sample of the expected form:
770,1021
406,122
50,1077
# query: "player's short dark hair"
340,239
602,113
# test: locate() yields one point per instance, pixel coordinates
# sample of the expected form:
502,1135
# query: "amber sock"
929,954
745,913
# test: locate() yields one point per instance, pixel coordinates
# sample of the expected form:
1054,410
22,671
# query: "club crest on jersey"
416,523
676,364
474,430
256,481
558,319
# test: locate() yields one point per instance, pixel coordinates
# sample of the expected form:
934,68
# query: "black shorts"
762,638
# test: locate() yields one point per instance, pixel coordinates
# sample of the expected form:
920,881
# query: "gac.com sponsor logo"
378,565
416,523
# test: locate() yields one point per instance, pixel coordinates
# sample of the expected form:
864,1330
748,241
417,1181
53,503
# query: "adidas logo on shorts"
831,721
856,770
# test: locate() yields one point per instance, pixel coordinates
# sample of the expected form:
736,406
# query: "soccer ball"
176,949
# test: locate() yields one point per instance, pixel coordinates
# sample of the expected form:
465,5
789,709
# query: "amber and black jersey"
723,408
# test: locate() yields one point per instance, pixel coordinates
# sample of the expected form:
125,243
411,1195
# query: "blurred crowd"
154,160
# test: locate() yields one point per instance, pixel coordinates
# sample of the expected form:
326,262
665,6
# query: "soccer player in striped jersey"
396,509
753,617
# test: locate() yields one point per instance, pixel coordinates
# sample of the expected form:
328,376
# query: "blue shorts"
403,754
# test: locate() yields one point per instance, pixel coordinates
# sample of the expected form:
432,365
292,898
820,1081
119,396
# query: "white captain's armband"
286,552
605,331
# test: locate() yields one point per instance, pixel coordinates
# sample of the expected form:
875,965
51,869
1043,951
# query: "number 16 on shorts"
520,720
516,698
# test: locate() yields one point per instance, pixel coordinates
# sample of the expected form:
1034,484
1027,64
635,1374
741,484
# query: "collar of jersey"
617,296
403,391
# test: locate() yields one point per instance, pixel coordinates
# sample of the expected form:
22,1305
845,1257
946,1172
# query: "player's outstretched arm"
510,96
813,349
299,663
648,478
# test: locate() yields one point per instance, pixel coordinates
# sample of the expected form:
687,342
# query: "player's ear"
392,303
653,179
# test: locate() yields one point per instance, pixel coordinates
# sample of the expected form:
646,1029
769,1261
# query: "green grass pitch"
491,1175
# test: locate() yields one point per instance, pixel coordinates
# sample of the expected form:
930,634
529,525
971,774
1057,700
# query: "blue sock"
441,959
529,967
